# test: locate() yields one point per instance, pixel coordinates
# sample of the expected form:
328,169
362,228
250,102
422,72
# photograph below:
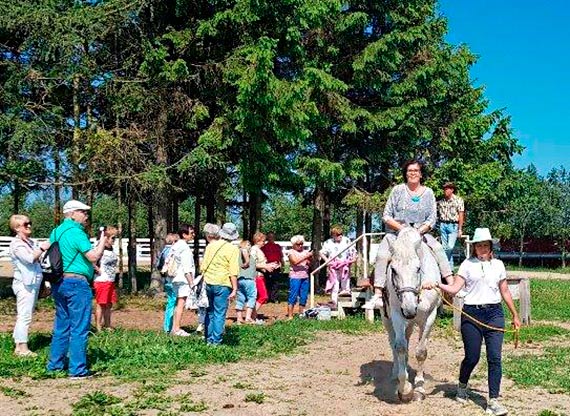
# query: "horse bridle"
401,290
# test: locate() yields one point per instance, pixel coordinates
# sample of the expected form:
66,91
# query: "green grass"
98,403
255,398
549,413
562,270
550,300
148,355
549,370
13,392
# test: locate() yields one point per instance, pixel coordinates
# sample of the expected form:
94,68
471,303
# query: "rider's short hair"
413,162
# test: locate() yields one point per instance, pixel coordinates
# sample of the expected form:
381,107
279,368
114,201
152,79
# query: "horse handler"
485,281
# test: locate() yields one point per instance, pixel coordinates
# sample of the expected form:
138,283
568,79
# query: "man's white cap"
75,205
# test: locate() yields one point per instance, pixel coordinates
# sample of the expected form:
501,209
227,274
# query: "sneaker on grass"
180,333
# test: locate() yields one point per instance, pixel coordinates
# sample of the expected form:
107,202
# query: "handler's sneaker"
462,393
495,408
375,302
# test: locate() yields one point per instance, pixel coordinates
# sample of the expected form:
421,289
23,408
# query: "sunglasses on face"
27,224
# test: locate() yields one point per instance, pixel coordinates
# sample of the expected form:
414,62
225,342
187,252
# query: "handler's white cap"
75,205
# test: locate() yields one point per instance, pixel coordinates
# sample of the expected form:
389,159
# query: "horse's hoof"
406,398
419,395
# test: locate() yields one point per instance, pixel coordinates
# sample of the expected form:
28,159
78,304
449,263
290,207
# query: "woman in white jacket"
182,281
25,256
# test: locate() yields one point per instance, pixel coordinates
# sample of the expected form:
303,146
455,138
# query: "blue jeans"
216,313
170,305
473,335
298,288
448,232
72,299
246,293
201,315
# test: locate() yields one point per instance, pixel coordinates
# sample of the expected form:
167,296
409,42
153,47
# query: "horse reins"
515,331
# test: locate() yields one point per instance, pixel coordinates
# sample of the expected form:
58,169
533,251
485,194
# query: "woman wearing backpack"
25,256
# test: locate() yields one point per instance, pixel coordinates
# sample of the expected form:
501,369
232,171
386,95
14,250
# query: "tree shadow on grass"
39,341
231,337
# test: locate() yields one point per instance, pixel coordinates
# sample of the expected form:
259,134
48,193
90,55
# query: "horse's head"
406,270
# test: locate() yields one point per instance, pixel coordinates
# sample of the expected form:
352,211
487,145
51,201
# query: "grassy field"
550,300
147,355
562,270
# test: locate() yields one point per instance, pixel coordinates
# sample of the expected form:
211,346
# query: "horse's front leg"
405,388
421,352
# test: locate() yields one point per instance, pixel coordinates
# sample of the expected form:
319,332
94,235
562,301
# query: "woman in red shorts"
104,283
262,266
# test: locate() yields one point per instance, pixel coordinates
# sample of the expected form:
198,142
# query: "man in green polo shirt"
72,295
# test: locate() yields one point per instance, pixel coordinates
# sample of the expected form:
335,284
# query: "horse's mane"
406,244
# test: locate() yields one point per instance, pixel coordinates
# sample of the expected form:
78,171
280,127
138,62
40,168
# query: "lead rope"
515,331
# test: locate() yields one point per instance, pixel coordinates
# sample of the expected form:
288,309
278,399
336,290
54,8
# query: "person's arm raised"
95,253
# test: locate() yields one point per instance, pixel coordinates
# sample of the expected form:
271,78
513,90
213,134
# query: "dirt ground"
337,374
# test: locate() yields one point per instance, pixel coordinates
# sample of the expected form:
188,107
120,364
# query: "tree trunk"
360,214
210,207
317,227
521,249
368,227
159,203
119,236
132,246
220,207
160,213
197,218
57,187
175,213
254,212
326,215
244,219
16,197
76,136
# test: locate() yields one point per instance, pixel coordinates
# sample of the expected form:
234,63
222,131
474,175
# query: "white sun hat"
482,234
229,232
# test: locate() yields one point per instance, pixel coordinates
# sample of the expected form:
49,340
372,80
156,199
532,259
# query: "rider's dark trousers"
473,335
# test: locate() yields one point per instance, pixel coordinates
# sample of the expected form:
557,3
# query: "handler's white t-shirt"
482,280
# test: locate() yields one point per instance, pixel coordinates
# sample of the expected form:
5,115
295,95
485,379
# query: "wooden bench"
520,290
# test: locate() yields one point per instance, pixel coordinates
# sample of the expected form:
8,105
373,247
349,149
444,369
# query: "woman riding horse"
410,203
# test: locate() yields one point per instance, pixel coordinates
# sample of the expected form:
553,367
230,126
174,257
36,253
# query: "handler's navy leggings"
473,335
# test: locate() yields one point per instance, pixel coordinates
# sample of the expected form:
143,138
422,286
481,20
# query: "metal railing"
326,263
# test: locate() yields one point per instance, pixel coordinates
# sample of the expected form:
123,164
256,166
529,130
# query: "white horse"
406,305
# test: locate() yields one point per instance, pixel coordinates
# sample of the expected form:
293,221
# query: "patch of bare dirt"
337,374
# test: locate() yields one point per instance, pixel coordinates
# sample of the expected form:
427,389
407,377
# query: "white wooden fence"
143,248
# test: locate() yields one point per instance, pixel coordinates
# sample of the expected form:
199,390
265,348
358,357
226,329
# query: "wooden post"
524,300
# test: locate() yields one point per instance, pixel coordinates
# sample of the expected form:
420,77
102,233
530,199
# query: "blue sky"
524,64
